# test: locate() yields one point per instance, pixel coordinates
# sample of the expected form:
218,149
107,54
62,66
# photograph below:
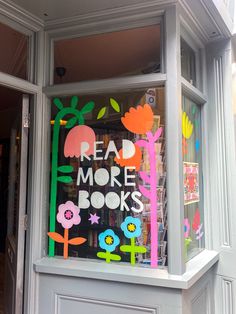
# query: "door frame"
32,27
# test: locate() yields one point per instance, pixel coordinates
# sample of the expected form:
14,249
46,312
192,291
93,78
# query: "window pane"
14,53
129,52
188,63
192,168
119,187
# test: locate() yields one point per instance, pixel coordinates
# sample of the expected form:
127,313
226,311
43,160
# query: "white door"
15,242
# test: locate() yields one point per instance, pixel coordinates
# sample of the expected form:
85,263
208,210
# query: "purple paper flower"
68,215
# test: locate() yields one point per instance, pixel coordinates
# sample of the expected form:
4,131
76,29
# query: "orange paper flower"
134,161
140,120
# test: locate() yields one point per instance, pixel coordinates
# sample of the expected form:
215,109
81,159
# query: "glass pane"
188,63
14,53
118,186
129,52
193,181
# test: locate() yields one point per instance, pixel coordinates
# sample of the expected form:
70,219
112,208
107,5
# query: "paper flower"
186,228
81,137
131,227
68,215
187,126
108,240
140,120
134,161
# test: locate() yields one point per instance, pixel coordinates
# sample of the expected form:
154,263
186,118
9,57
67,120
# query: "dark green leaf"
58,103
115,105
65,179
65,169
88,107
74,102
71,122
101,113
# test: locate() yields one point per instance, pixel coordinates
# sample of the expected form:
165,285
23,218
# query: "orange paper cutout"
134,161
184,146
139,120
56,237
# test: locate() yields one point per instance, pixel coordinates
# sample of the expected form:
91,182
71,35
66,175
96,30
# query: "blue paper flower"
108,240
131,227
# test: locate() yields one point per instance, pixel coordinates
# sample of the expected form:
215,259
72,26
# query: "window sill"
195,269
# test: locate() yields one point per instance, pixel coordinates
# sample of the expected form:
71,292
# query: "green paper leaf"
71,122
135,249
115,257
88,107
101,113
74,102
108,256
194,110
115,105
58,103
65,169
65,179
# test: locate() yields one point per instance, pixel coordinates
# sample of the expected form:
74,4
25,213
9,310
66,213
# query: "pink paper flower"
68,215
81,137
186,228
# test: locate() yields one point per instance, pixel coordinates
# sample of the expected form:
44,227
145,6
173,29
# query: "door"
15,242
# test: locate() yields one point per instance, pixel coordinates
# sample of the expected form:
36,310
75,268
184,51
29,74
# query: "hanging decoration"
68,215
108,241
78,118
132,229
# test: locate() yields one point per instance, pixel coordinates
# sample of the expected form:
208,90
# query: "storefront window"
14,56
117,54
188,63
192,175
108,178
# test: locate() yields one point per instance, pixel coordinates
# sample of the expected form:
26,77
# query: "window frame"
173,82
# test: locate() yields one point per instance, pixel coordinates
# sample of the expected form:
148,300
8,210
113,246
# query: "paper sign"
191,182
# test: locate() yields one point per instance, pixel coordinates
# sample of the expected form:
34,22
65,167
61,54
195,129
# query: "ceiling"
58,9
108,55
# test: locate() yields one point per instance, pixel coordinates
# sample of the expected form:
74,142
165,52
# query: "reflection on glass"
14,53
109,193
188,63
116,54
192,175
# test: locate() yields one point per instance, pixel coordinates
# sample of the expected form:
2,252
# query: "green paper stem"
132,253
54,175
108,256
133,249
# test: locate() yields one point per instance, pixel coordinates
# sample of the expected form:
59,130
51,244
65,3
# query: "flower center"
185,229
131,227
68,214
109,240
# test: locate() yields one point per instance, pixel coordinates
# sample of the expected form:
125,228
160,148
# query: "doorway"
13,181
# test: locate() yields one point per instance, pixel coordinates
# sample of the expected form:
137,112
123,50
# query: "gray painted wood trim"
84,268
60,298
129,14
225,235
14,14
176,264
106,85
18,84
38,179
228,296
192,92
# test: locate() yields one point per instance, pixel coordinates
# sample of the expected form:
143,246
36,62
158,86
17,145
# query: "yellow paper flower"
187,126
